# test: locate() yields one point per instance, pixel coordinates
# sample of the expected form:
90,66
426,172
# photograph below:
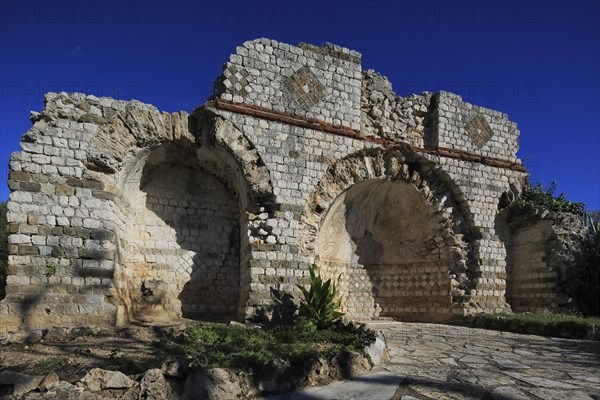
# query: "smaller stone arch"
387,225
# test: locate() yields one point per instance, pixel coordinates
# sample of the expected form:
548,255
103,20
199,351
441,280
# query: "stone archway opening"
390,249
182,237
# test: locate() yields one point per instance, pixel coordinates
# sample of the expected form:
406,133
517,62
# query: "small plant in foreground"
284,308
321,300
305,325
281,310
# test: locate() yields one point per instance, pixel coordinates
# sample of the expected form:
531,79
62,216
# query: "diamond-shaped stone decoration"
234,80
479,130
303,89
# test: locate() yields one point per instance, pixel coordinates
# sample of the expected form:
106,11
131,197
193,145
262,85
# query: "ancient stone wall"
391,117
386,246
319,83
546,251
186,243
116,217
299,157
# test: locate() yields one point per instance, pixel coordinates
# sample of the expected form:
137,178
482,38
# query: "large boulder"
100,379
176,366
349,364
317,372
153,386
63,391
271,377
26,384
49,379
18,383
212,384
378,350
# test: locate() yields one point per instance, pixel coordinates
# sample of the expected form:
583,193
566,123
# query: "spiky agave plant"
594,263
321,300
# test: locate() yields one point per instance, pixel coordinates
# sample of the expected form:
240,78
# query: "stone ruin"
119,212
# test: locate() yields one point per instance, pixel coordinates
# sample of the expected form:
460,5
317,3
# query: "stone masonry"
120,212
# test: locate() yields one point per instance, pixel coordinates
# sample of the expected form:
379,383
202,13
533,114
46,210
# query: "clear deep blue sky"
537,61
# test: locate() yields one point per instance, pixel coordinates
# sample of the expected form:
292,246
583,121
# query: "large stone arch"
184,185
388,224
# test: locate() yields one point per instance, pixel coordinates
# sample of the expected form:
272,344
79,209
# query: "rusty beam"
278,116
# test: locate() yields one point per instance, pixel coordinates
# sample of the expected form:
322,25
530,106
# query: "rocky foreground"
176,379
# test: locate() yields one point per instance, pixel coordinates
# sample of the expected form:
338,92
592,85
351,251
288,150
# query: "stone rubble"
175,380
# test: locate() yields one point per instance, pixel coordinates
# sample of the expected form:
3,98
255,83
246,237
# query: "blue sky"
537,61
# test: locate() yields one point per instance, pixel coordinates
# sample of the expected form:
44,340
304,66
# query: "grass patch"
49,364
130,363
543,324
227,346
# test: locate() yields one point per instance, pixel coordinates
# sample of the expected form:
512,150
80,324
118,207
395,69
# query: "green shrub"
281,310
545,324
588,293
304,325
538,196
321,300
202,334
283,307
227,346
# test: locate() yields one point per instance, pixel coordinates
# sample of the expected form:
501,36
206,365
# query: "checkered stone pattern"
354,282
391,290
358,290
303,89
459,125
235,80
479,130
402,287
283,78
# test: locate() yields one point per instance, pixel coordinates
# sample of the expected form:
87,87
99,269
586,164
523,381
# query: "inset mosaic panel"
235,80
479,130
303,89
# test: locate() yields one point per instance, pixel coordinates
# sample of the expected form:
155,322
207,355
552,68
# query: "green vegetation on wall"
538,196
586,271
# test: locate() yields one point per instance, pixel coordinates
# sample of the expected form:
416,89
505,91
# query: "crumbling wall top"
333,50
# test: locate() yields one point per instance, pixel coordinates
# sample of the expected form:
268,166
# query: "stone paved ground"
449,362
440,362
